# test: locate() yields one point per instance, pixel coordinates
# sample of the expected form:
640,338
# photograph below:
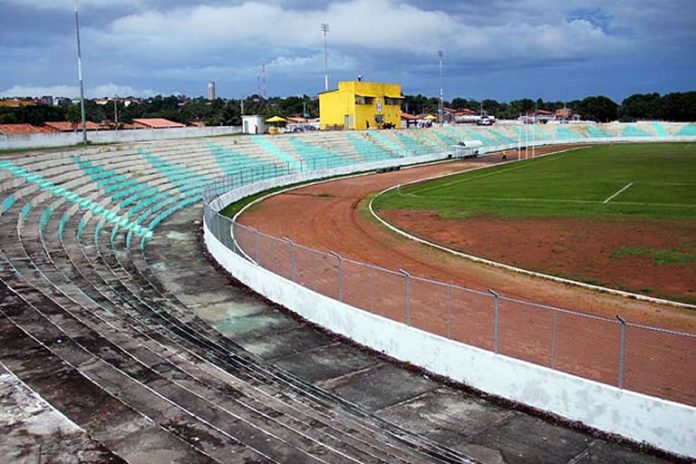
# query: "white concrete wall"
664,424
61,139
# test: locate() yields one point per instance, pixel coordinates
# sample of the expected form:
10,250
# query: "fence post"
340,274
622,351
257,245
408,295
233,237
293,262
554,337
449,311
496,321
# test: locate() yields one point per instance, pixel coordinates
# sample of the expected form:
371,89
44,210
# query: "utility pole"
441,108
325,30
263,81
116,111
534,130
79,76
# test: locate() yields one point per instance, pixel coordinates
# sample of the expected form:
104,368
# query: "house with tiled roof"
155,123
67,126
21,129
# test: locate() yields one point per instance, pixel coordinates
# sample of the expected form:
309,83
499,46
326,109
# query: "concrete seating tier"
79,293
81,305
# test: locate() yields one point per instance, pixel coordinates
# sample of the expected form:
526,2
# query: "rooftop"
157,123
67,126
21,129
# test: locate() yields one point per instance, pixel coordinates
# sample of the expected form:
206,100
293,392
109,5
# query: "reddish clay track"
326,217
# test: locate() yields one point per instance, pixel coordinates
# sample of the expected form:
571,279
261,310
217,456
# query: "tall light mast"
79,76
441,107
325,30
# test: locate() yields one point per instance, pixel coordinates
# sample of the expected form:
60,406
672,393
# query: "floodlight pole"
116,111
325,30
441,108
79,76
534,131
526,135
519,142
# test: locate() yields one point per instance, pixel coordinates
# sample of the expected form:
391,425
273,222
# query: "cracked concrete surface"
480,428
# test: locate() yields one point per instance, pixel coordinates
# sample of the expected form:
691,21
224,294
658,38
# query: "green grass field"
636,181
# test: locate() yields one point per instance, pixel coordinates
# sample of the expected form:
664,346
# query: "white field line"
625,187
507,267
547,200
500,171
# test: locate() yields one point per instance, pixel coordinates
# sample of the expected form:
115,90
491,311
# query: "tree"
678,106
640,106
74,116
524,106
8,118
420,104
598,108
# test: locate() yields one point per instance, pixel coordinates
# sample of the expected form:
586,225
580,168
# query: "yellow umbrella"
430,117
275,119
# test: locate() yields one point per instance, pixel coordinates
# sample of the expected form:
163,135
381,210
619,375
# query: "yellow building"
360,105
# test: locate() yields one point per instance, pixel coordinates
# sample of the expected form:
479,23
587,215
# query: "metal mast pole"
79,76
519,140
325,30
441,109
534,131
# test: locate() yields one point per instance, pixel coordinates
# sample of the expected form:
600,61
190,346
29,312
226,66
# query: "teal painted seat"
277,152
688,130
502,137
368,150
318,157
413,145
447,141
659,129
7,204
564,133
45,217
26,211
630,130
390,145
179,176
232,162
83,203
596,132
473,135
63,223
539,133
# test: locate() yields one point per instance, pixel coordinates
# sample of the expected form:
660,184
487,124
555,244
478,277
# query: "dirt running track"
327,217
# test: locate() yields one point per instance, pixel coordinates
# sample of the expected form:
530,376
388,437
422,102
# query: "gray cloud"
167,44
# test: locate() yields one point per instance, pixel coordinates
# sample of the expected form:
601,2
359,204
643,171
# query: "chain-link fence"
645,359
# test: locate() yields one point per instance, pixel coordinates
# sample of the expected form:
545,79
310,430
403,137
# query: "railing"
645,359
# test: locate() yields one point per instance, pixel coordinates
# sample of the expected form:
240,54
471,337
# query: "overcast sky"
501,49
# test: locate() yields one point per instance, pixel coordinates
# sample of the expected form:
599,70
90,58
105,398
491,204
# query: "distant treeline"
678,106
670,107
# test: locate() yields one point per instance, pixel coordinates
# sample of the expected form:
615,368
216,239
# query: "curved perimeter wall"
664,424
